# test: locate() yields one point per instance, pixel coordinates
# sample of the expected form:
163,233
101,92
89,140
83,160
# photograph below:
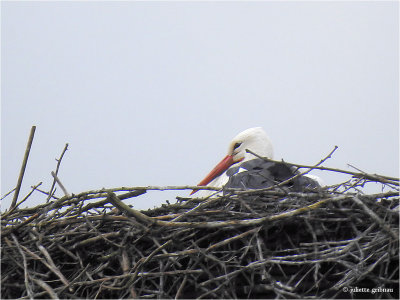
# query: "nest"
329,243
335,242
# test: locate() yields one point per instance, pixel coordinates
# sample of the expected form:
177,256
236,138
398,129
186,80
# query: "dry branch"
23,167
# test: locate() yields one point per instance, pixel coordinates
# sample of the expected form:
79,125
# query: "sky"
151,93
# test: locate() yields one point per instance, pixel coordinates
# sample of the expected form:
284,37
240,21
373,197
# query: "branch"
113,199
374,177
217,224
23,167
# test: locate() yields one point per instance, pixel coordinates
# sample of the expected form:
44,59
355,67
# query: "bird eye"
237,145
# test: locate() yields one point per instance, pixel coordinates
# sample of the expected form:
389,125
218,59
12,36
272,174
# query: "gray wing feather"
258,173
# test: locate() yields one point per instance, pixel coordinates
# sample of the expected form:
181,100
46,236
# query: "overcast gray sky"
151,93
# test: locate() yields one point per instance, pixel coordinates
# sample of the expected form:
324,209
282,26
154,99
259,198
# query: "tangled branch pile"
245,244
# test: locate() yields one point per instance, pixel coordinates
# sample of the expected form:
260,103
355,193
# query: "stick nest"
331,243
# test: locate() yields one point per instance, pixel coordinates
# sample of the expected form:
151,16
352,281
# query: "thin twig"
47,288
56,172
22,201
11,229
95,239
6,194
52,266
283,183
60,184
26,274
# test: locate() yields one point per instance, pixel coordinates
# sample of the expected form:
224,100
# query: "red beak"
218,170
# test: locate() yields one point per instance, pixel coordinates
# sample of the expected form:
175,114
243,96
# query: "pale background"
151,93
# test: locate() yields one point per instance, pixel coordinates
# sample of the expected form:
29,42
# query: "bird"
241,169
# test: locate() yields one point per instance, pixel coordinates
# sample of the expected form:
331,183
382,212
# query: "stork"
241,169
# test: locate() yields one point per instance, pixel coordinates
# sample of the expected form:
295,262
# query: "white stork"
254,172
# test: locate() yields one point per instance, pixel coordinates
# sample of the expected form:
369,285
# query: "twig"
27,285
47,288
22,201
47,194
14,228
6,194
374,177
56,172
24,162
181,286
60,184
95,239
176,272
386,179
113,199
194,209
239,236
297,165
51,265
121,197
